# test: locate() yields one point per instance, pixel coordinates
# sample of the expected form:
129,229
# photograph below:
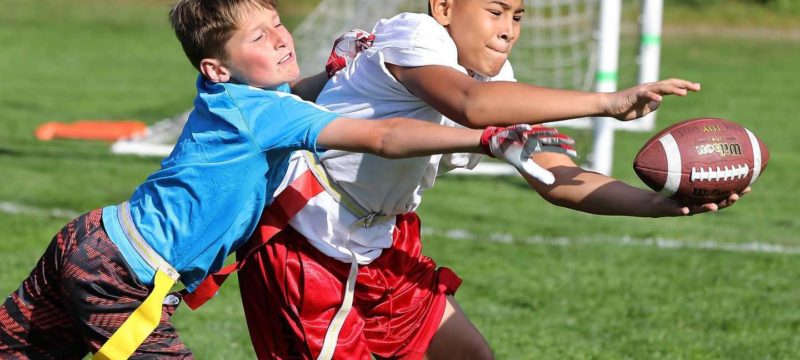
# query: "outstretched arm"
594,193
398,137
476,104
402,137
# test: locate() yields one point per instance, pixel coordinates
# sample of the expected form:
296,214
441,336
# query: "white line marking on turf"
660,243
16,208
505,238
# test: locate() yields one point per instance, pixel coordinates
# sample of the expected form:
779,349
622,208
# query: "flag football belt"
341,197
145,318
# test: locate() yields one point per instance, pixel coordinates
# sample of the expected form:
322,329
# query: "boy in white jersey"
100,286
395,303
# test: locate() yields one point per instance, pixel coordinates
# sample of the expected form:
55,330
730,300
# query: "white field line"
7,207
460,234
660,243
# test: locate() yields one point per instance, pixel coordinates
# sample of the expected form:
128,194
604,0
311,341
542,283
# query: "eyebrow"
506,6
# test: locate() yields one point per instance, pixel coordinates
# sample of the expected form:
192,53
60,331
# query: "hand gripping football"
701,160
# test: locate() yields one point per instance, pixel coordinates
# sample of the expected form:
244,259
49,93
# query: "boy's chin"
487,69
486,72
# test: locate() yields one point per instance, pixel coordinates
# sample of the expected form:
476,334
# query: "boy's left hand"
640,100
345,49
515,144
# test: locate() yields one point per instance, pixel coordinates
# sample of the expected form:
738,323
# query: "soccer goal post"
568,44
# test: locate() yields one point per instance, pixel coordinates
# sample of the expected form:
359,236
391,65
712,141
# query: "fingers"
558,139
699,209
560,148
677,87
711,207
550,140
539,130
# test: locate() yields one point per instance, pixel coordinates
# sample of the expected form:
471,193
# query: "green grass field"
540,281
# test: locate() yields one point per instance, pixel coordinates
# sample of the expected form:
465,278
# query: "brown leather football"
701,160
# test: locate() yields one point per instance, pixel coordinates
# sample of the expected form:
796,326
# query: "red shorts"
291,291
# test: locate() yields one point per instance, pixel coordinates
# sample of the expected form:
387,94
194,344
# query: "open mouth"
286,58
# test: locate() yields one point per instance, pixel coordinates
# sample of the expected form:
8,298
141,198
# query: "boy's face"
261,51
484,32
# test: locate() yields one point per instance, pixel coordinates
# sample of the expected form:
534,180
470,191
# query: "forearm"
479,104
505,103
309,88
594,193
401,138
398,137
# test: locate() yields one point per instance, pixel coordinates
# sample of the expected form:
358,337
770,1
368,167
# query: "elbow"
470,109
385,142
473,114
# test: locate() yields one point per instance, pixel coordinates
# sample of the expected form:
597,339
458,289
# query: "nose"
506,30
281,39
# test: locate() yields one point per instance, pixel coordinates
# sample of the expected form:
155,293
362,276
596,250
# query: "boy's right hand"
516,144
670,207
638,101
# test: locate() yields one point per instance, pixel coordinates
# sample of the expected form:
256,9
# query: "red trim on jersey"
274,219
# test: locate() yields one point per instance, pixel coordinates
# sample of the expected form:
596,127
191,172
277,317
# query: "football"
703,160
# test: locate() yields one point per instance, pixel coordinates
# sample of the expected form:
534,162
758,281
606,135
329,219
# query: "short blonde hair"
203,27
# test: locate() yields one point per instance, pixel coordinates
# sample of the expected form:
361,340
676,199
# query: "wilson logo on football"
720,148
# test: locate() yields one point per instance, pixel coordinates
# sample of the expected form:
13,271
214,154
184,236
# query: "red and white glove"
553,141
345,49
516,143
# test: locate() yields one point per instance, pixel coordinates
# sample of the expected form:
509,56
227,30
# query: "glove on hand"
552,141
345,49
515,144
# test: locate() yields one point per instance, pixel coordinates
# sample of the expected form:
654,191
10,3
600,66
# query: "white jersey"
366,89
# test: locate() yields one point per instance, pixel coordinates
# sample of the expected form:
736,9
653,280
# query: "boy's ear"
440,10
214,70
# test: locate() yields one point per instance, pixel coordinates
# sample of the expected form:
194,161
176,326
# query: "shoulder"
410,29
255,105
413,40
406,21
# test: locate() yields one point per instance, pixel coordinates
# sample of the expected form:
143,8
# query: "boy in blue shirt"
101,283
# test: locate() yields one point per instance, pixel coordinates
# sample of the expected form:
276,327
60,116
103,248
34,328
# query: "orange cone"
90,130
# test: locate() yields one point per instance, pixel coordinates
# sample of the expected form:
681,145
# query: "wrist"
663,206
486,138
603,101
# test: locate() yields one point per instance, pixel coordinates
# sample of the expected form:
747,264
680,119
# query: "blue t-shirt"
211,190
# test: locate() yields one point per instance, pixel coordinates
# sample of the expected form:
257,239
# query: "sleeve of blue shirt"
285,122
